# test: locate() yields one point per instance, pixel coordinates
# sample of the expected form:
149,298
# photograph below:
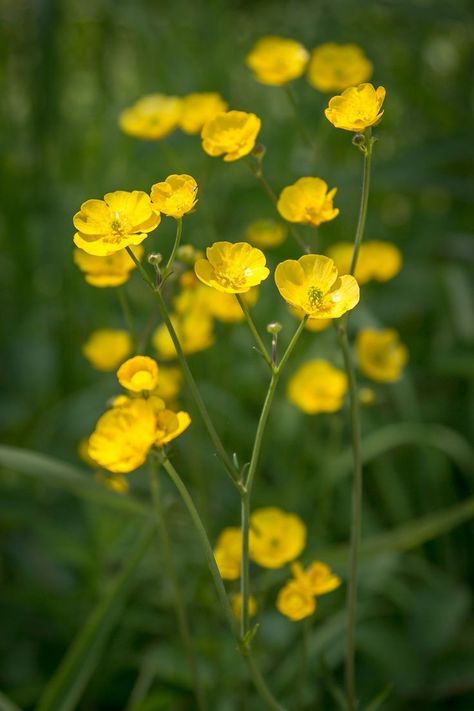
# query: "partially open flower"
170,425
138,374
232,268
295,601
356,108
317,577
152,117
317,387
231,134
381,355
335,67
277,60
175,196
198,108
308,201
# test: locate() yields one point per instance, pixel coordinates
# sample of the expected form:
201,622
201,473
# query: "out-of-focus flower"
276,537
195,333
236,604
308,201
152,117
317,577
138,374
120,220
169,383
356,108
115,482
107,348
201,299
277,60
228,553
366,396
198,108
381,355
170,425
317,387
311,284
377,260
315,325
266,233
175,196
231,134
232,268
225,307
335,67
295,601
113,270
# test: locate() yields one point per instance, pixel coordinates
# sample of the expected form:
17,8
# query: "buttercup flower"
195,333
276,537
317,387
198,108
115,482
175,196
106,348
138,373
380,261
236,603
202,300
315,325
170,425
152,117
295,601
228,553
120,220
311,284
308,202
169,383
232,268
356,108
113,270
335,67
317,577
266,233
380,354
231,134
277,60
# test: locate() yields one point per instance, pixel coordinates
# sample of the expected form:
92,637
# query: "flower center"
315,296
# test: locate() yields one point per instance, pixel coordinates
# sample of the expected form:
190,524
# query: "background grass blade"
6,704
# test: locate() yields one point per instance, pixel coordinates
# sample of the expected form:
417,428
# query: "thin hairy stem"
253,329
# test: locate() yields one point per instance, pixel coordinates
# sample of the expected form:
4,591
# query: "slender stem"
178,602
304,660
177,240
302,128
253,329
364,201
245,564
126,311
290,347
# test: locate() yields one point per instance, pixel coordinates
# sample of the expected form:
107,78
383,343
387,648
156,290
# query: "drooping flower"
308,201
277,60
152,117
231,134
276,537
120,220
311,284
381,355
236,604
198,108
266,233
317,386
317,577
295,601
377,260
102,272
175,196
194,330
335,67
232,268
356,108
228,553
107,348
138,374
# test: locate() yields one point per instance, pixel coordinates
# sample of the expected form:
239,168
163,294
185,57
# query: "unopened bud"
274,328
155,259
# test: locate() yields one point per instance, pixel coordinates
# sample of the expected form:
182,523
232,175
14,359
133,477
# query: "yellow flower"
276,537
295,601
106,348
317,577
228,553
356,108
335,67
236,603
308,201
266,233
175,196
83,452
120,220
277,60
169,383
195,333
232,268
202,300
314,325
317,387
170,425
113,270
198,108
152,117
231,134
380,354
138,373
311,283
366,396
225,307
377,260
123,436
115,482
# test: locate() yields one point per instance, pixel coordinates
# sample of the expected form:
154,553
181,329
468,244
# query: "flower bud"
155,259
274,328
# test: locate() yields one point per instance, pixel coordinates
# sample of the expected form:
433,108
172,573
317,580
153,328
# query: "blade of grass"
6,704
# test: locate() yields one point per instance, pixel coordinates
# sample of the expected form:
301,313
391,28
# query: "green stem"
179,231
126,311
253,329
304,661
364,201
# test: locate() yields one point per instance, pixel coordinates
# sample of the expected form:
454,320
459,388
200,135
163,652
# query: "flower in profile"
231,134
198,108
228,553
381,355
377,260
236,604
317,386
295,601
138,374
232,268
317,577
308,201
175,196
276,537
277,60
102,272
194,330
169,383
120,220
314,325
152,117
335,67
266,233
106,348
356,108
170,425
311,284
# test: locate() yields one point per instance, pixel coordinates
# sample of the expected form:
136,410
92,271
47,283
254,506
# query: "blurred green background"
68,68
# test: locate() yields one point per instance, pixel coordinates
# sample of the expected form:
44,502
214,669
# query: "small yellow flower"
356,108
308,202
317,387
232,268
113,270
231,134
266,233
169,383
138,374
170,425
335,67
106,348
366,396
120,220
195,333
276,537
152,117
295,601
377,260
175,196
314,325
228,553
311,284
317,577
115,482
277,60
380,354
198,108
225,307
236,603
